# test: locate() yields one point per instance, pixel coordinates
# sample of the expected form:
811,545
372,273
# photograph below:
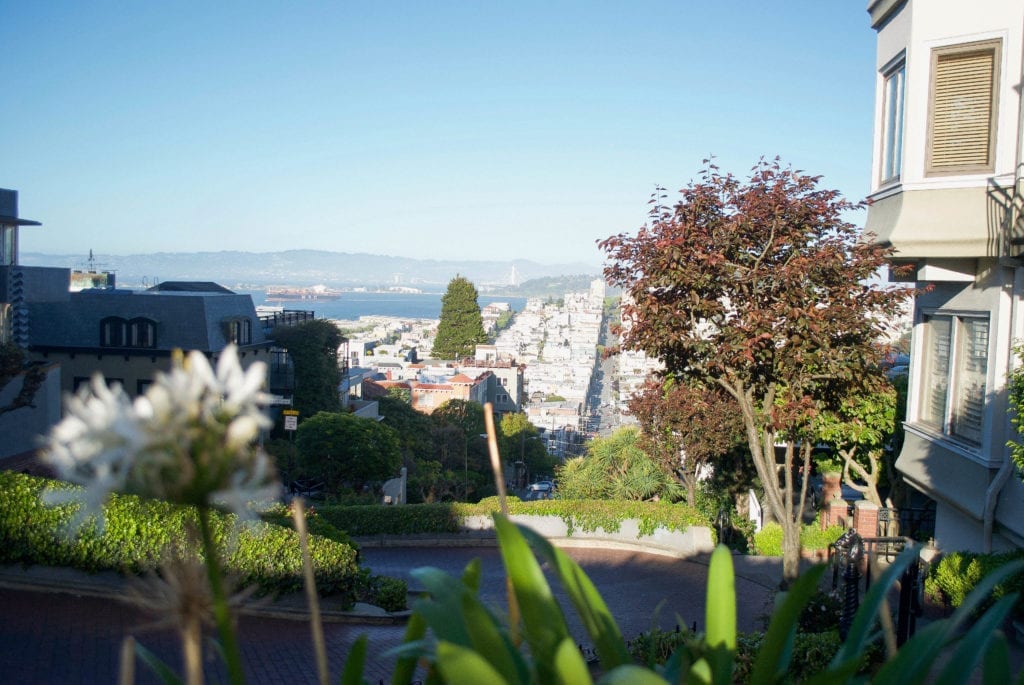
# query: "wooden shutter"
963,110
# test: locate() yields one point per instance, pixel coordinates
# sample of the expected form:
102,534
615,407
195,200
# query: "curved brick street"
63,638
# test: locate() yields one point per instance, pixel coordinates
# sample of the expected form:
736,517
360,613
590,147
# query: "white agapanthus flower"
188,440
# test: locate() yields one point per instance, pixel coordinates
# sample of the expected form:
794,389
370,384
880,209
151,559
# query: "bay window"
954,378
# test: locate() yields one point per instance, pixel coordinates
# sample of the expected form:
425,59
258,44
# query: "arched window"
240,331
113,332
142,333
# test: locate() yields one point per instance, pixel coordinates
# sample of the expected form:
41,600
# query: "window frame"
963,50
136,327
893,119
239,331
113,332
959,398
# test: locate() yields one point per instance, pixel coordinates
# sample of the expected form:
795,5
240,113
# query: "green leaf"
461,665
471,575
162,670
631,674
597,619
916,657
355,663
570,668
543,622
997,662
405,667
975,643
857,638
776,648
720,614
494,644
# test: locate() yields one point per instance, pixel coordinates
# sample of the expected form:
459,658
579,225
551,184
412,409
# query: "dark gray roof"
185,320
189,287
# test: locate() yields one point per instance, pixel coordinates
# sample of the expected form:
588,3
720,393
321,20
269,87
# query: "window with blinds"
962,120
955,375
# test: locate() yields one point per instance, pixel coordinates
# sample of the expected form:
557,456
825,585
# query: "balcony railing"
288,317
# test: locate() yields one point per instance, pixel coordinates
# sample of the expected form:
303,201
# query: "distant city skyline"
445,130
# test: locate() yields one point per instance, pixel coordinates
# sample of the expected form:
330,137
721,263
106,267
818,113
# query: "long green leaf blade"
857,638
975,643
163,671
776,648
488,639
570,667
631,674
461,665
997,662
720,614
355,663
405,667
593,612
543,622
916,657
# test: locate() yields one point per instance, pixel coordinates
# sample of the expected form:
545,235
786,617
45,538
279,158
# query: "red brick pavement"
63,638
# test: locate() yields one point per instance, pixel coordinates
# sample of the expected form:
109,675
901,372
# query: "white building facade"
946,194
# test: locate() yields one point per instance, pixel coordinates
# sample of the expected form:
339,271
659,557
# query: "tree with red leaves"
686,426
762,288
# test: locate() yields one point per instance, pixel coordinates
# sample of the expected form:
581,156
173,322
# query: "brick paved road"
59,638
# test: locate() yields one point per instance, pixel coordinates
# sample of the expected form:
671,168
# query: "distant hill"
549,286
307,267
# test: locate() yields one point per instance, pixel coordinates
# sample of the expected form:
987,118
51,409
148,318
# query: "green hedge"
768,540
584,515
957,573
137,532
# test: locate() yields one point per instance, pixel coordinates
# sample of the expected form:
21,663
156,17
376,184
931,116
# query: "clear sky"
465,130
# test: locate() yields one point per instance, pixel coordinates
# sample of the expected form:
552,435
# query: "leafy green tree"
313,348
616,468
14,364
458,425
402,394
762,288
520,441
345,450
858,430
461,328
414,429
1015,388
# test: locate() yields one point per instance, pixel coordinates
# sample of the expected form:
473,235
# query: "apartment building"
946,195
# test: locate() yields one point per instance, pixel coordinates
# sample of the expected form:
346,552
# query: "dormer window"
139,332
142,333
113,332
239,331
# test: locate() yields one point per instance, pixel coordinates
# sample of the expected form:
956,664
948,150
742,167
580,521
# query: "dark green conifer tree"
461,327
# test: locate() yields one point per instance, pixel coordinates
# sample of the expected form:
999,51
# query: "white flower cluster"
188,440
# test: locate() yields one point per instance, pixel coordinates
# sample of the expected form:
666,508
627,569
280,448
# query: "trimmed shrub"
137,533
768,540
585,515
957,573
390,594
813,537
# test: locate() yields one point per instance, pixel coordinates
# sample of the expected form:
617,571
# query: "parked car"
541,486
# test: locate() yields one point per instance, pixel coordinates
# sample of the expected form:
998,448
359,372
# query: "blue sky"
469,130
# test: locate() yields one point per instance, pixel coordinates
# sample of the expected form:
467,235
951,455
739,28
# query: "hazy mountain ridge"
305,267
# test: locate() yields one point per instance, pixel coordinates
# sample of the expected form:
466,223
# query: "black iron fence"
854,559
